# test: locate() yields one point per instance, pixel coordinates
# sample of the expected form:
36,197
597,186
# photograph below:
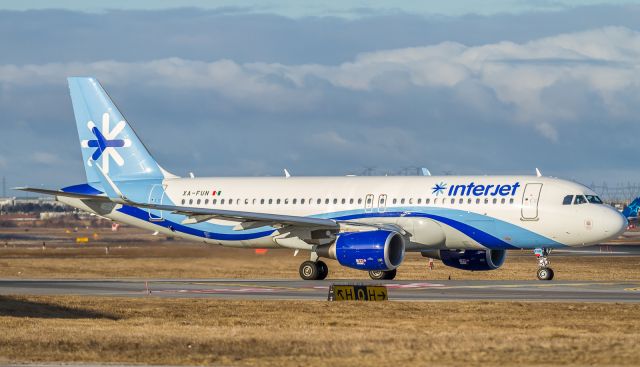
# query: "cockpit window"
594,199
567,200
580,199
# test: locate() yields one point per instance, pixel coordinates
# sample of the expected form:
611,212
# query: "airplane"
364,222
631,211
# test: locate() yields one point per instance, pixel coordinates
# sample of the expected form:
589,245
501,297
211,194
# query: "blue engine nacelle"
474,260
371,250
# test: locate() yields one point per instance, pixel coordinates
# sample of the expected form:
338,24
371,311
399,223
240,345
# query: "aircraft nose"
614,223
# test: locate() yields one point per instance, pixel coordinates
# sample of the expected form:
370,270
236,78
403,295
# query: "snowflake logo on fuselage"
439,188
106,143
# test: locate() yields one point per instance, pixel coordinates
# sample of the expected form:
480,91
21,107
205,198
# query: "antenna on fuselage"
538,173
286,173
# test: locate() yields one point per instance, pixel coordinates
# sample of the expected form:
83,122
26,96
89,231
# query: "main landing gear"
544,271
314,270
382,274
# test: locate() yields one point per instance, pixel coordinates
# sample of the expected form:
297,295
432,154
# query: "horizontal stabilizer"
62,193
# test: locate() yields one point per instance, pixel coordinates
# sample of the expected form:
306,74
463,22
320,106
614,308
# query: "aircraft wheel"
545,274
309,270
323,270
382,274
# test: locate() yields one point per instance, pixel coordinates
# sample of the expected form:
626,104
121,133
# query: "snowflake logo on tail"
439,188
106,143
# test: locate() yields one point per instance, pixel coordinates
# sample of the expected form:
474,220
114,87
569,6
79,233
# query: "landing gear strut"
382,274
544,271
314,270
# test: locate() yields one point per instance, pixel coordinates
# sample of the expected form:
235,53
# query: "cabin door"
530,201
156,195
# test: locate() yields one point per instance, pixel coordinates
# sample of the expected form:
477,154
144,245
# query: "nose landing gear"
544,271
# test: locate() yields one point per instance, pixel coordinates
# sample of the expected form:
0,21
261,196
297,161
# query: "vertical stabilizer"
107,138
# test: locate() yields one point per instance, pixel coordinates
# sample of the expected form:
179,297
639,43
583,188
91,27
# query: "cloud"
542,83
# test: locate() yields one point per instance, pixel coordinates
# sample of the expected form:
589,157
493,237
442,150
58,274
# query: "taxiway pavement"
419,290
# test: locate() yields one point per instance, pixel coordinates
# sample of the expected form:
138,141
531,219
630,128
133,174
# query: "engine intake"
474,260
371,250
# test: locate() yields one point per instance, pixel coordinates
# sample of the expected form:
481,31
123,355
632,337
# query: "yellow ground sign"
82,239
358,293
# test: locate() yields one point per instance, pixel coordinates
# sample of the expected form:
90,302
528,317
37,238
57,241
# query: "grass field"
274,333
293,333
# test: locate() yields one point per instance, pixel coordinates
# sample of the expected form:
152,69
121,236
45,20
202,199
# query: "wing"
195,215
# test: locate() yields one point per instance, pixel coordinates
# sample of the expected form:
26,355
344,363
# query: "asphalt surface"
318,290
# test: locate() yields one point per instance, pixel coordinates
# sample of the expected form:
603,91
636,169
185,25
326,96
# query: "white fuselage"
454,212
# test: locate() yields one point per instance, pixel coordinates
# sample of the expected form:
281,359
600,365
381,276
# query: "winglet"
110,188
538,173
425,171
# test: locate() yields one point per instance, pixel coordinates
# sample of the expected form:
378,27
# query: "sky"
248,88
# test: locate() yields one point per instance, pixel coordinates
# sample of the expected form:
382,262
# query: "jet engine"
474,260
371,250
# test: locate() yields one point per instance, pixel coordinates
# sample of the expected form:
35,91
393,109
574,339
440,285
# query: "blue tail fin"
107,138
631,211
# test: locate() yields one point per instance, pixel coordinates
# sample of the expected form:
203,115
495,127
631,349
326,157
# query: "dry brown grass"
134,253
292,333
216,262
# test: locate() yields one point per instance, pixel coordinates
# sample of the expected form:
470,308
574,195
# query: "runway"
583,291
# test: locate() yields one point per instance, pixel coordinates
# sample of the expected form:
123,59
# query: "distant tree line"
35,208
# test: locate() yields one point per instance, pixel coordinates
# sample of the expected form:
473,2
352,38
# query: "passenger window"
369,201
326,201
190,201
435,201
318,201
511,201
461,201
503,201
351,201
469,201
411,201
427,201
344,201
402,201
278,201
221,201
206,201
261,201
246,201
335,201
359,201
567,200
183,201
286,201
302,201
381,200
237,201
395,201
419,201
486,200
294,201
453,201
270,201
478,201
495,200
580,200
214,201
